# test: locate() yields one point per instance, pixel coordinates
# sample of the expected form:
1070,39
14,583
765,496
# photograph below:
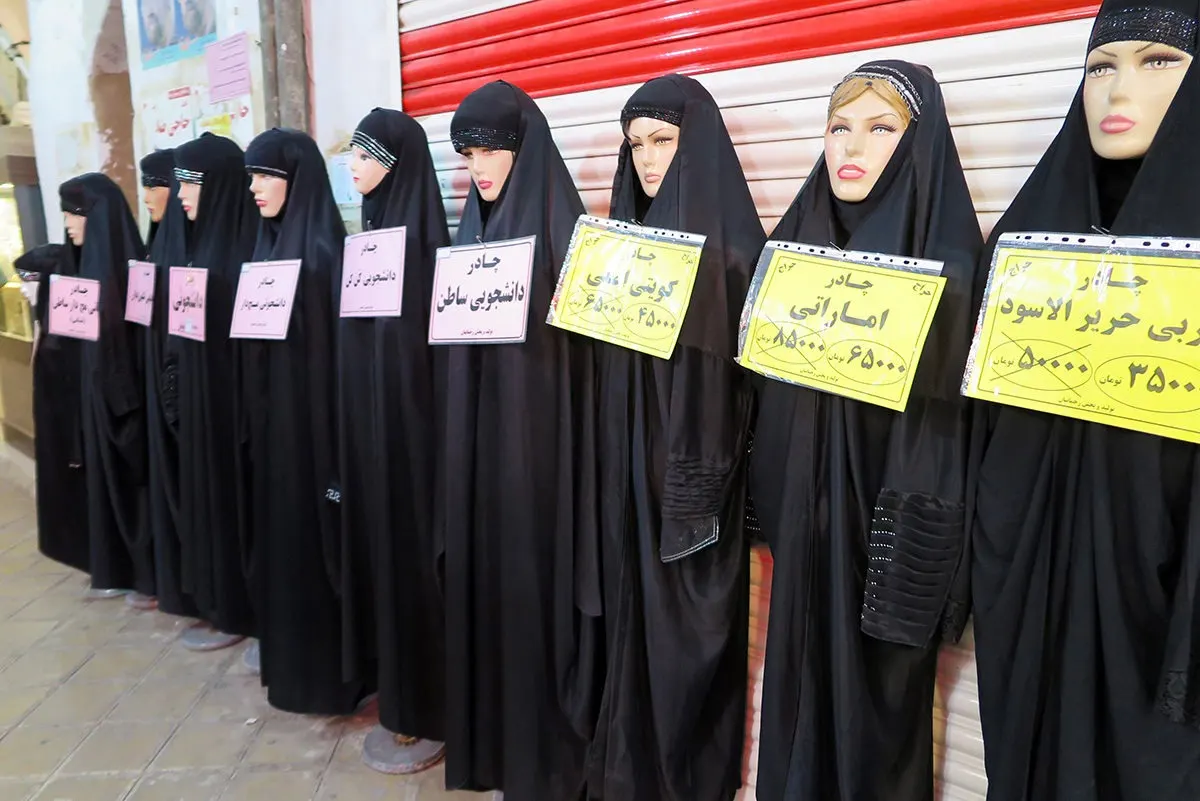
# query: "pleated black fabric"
222,240
1087,537
673,434
113,413
288,433
514,494
167,244
58,447
863,507
392,608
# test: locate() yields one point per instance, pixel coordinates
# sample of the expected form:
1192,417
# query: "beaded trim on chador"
374,149
895,77
490,138
1163,25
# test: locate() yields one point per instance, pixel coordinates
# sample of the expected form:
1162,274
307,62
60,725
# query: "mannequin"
62,489
1086,536
518,644
391,600
167,244
287,426
213,194
671,444
855,499
104,237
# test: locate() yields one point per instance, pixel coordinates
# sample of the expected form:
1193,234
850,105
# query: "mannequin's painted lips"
260,203
653,178
1115,123
850,172
485,186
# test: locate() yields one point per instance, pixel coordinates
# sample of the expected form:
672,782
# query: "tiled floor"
99,703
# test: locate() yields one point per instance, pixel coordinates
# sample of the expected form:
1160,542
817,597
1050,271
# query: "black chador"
1087,537
288,441
392,603
863,507
513,493
61,485
167,244
113,412
222,239
672,439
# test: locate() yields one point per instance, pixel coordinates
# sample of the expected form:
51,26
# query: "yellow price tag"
1093,328
852,324
626,285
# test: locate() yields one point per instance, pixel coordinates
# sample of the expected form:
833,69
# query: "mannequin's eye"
883,129
1161,61
838,129
1100,70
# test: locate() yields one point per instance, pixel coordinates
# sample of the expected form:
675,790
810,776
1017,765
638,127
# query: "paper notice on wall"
169,118
228,68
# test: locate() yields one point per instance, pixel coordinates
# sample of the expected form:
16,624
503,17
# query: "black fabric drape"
288,433
392,612
58,447
113,414
514,493
1086,537
673,434
222,240
864,508
168,247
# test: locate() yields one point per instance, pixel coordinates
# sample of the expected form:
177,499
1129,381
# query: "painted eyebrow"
837,116
652,133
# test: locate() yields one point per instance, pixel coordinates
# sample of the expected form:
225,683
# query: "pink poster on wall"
265,293
186,302
481,293
74,307
139,299
373,273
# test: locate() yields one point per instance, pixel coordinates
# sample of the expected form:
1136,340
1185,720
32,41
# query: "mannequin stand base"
203,637
135,600
396,754
251,659
105,595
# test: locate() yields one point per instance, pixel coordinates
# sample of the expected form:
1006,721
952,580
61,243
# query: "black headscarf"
1087,537
227,215
158,170
703,192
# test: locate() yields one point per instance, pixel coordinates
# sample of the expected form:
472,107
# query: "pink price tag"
139,300
265,293
373,273
481,293
185,303
74,307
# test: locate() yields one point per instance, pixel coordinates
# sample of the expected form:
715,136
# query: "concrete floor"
99,703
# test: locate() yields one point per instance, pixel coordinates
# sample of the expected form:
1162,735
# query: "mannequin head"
368,173
270,193
1127,89
156,198
189,198
75,224
867,118
489,169
653,143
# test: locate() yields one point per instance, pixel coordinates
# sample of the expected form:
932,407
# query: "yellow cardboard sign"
626,285
831,321
1104,330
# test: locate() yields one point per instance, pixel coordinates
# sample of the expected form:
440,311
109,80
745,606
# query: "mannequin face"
270,193
489,169
155,198
367,172
859,142
654,144
1127,90
75,223
189,198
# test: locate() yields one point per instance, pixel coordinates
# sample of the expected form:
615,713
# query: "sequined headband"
257,168
188,176
1163,25
898,80
374,149
490,138
631,113
149,180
